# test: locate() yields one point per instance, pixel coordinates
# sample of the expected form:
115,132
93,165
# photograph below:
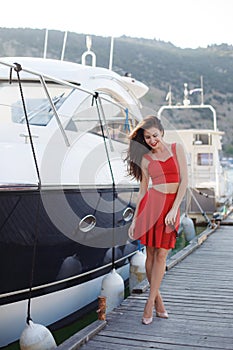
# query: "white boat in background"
210,191
65,199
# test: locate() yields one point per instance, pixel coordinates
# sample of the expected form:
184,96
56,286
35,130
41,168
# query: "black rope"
10,77
203,213
18,68
95,97
33,261
203,193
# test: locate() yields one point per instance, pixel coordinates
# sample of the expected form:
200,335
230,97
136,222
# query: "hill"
156,63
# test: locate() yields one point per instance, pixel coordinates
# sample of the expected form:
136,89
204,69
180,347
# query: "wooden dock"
198,294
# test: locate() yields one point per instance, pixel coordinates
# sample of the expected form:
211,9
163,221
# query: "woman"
156,217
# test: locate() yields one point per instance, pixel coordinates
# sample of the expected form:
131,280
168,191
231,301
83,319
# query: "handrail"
55,111
186,103
191,107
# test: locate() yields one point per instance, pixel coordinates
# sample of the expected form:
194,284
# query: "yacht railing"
44,77
187,105
211,108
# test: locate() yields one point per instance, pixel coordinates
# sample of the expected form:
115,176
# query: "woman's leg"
155,275
150,254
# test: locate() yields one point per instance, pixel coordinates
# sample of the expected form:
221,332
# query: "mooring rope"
203,193
33,260
99,106
199,206
18,68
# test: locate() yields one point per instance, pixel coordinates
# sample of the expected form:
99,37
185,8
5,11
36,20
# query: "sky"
184,23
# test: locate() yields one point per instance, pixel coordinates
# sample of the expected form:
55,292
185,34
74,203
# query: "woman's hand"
131,230
170,218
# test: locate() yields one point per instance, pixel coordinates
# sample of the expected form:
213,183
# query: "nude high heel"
147,320
162,314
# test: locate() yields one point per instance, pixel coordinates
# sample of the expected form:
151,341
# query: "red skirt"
150,225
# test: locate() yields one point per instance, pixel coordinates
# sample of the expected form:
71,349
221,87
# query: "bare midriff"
167,188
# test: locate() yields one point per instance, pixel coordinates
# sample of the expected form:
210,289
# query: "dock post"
102,308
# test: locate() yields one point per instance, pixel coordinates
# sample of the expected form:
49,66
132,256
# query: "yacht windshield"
116,120
38,107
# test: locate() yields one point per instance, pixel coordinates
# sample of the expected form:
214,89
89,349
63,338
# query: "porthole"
87,223
128,214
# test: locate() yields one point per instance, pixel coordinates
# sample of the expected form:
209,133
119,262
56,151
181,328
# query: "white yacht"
65,199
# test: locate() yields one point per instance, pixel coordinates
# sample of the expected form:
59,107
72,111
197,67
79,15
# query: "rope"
33,261
199,206
18,68
203,193
98,103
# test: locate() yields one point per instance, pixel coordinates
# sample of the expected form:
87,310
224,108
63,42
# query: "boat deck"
198,296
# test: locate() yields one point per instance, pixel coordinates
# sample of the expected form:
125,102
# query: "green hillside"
156,63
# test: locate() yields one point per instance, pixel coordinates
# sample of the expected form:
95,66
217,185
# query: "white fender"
36,337
188,228
113,289
137,269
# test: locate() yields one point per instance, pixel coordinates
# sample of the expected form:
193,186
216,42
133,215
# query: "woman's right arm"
142,191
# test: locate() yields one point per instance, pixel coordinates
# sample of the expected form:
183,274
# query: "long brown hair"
138,147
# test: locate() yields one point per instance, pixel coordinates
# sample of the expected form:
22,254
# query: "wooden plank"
82,336
104,344
197,291
141,287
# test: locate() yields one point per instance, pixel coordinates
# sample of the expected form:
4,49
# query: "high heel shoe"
162,314
147,320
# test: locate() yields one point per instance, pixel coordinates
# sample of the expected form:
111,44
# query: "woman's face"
153,137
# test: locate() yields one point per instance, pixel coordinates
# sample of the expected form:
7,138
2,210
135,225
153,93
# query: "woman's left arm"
182,163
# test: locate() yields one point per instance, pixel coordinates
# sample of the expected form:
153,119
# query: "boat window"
87,118
116,129
202,139
205,159
37,105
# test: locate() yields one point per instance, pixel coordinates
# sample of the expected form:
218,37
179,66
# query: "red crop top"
162,172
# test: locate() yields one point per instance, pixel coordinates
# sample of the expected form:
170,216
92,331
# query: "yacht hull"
63,264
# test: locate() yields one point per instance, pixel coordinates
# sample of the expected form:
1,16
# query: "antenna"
89,52
202,90
111,54
169,96
64,45
45,42
186,100
88,42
